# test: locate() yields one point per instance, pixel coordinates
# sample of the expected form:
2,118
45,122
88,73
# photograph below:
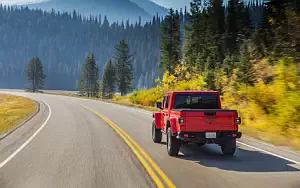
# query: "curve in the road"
138,151
29,140
79,149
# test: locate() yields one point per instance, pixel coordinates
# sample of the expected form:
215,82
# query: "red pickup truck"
195,117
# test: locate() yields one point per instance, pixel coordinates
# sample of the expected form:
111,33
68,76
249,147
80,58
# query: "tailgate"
210,120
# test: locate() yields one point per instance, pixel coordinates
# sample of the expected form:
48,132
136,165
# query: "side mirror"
159,105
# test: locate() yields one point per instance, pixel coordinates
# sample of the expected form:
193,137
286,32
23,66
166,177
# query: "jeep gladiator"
195,117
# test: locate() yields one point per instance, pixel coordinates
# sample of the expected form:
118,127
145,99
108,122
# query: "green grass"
14,110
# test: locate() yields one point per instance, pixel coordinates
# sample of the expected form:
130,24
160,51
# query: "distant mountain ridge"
151,7
115,10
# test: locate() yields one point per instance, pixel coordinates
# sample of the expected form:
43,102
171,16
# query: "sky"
176,4
19,1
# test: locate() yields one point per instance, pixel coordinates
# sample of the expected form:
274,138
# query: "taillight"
238,120
181,121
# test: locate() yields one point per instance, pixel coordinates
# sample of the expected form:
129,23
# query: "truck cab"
195,117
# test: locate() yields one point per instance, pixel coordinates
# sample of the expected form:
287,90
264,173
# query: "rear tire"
173,144
156,133
228,147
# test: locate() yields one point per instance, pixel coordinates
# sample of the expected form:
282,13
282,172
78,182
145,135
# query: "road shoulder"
32,115
15,138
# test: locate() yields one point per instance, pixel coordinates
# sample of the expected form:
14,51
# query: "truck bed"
208,120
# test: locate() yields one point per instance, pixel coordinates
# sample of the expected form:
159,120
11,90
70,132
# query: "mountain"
151,7
175,4
115,10
62,41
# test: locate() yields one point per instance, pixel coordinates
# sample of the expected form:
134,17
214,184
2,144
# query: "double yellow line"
150,166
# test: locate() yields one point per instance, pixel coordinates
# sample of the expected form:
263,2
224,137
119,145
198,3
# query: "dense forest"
62,41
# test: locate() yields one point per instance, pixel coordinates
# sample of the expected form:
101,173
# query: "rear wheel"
156,133
228,147
173,144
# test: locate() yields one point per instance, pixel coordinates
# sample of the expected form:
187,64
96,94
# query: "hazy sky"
166,3
176,4
19,1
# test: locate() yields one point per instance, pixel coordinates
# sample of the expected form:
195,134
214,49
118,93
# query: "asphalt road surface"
69,144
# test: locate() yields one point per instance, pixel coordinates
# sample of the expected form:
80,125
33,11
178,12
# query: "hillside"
151,7
62,42
115,10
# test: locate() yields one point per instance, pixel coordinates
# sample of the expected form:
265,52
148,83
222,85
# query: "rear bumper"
199,137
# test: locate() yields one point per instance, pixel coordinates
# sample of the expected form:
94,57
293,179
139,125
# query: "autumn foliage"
269,108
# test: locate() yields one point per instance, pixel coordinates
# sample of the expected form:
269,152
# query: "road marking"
270,145
279,156
29,140
138,151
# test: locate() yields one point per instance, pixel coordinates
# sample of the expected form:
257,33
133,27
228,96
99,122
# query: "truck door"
166,111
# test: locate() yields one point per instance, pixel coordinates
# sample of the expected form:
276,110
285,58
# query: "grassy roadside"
121,101
14,110
126,102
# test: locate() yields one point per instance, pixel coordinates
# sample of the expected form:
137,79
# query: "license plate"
211,135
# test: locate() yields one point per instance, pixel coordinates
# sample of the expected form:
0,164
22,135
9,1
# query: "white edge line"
270,145
28,141
296,162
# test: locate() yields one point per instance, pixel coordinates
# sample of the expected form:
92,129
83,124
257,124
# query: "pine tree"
81,84
258,48
108,80
90,76
243,22
170,42
246,72
217,28
284,28
229,65
124,68
232,27
35,74
209,73
195,33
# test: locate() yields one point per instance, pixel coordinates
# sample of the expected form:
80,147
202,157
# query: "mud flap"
157,117
173,122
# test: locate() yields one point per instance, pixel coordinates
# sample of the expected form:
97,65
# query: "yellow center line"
154,165
138,151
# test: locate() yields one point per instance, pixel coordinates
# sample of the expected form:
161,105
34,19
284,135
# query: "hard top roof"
192,91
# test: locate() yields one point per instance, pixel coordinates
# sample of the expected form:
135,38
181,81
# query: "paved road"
76,148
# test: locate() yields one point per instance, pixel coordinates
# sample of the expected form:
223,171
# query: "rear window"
196,101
